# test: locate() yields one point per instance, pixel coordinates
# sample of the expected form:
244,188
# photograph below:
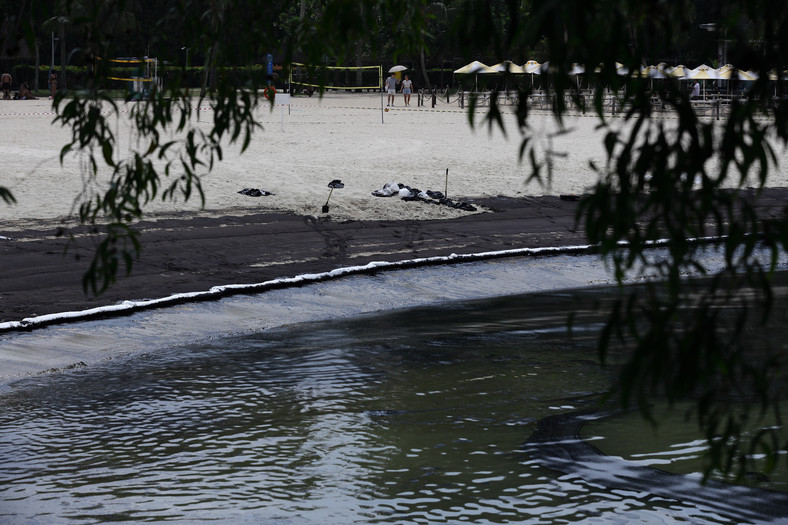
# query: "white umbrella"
773,74
726,72
397,68
678,71
511,67
474,68
533,67
703,72
657,72
508,65
652,72
576,71
748,75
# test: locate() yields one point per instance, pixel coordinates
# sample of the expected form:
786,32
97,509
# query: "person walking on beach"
391,87
407,88
5,83
52,84
695,91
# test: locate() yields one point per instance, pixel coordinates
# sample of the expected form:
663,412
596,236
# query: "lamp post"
52,64
722,46
187,54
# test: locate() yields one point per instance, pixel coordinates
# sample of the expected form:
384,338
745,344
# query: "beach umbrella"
678,71
657,72
474,68
726,72
749,75
653,72
508,65
533,67
703,72
396,69
576,71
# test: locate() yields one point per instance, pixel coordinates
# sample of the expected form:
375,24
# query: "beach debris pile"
406,193
254,192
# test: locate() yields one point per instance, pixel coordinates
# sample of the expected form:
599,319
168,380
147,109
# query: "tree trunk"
62,83
206,69
424,72
38,64
303,10
359,49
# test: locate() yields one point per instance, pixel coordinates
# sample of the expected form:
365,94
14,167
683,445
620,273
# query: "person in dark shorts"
5,83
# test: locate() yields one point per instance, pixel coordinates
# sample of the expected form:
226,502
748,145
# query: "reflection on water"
414,416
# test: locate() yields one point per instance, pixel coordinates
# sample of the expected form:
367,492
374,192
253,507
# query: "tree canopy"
682,346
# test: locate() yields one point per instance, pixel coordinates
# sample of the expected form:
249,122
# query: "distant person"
391,87
695,91
5,83
25,93
52,84
407,88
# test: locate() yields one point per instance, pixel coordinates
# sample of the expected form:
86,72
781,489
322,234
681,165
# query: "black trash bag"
254,192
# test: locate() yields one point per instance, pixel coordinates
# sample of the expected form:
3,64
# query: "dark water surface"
411,416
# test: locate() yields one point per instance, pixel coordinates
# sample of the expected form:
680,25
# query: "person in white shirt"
695,91
407,88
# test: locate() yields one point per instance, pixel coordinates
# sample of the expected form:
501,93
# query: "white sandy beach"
303,147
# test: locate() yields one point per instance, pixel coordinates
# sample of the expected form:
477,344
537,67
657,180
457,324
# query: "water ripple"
407,417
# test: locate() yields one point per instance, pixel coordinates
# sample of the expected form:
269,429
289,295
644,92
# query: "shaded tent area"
507,80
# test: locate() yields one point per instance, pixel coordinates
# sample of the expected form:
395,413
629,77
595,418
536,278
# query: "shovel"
336,183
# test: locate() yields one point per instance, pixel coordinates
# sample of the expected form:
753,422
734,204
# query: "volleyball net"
345,78
141,74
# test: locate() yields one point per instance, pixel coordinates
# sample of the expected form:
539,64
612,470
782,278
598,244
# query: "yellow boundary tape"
347,68
131,79
335,67
125,61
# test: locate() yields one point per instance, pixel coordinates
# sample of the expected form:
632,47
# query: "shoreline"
42,273
64,346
